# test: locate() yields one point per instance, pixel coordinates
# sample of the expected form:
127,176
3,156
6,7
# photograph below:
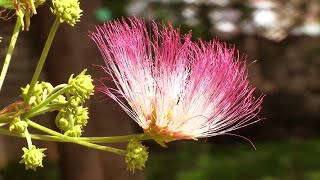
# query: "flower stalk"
74,140
98,140
7,59
42,59
28,138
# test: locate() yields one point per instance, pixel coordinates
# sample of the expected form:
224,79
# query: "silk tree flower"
172,87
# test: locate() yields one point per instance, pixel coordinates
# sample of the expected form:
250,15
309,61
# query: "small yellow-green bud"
18,126
40,93
67,10
46,86
81,116
76,131
75,101
82,85
64,119
72,120
32,158
136,156
63,124
60,99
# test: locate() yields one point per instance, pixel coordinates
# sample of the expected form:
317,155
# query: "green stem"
75,140
60,86
5,121
6,118
114,139
42,60
33,136
10,51
46,102
28,138
48,108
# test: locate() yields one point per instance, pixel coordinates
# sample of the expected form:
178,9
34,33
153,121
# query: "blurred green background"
283,36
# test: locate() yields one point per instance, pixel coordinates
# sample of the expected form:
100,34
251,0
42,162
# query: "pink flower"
175,88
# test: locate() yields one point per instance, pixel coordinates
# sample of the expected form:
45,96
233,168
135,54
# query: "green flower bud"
81,116
76,131
72,120
32,158
60,100
45,86
40,90
64,119
67,10
82,85
63,124
18,126
40,93
137,155
76,101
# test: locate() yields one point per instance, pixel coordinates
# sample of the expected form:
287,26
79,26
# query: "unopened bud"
137,155
67,10
32,157
76,131
40,93
18,126
81,116
82,85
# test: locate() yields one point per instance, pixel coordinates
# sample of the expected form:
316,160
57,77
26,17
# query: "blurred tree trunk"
71,52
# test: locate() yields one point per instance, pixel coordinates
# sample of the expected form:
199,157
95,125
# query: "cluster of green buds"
136,156
82,87
17,125
32,157
68,99
67,11
71,120
41,91
74,116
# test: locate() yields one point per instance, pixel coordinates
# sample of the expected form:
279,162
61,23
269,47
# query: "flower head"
17,125
33,157
40,93
67,10
136,156
72,120
176,88
82,85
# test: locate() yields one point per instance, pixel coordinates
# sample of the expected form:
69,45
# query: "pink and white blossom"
172,87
